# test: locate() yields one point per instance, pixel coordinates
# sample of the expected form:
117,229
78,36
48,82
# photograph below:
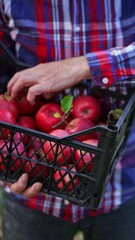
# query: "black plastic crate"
82,187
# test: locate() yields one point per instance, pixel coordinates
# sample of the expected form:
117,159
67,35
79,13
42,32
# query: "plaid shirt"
104,31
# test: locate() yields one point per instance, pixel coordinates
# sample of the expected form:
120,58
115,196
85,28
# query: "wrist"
83,68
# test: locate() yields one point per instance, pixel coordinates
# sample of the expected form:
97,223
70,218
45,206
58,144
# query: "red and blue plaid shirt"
104,31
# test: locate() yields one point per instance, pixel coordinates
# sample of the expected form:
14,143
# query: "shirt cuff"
102,68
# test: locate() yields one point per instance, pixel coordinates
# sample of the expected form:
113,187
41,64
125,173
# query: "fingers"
33,190
19,81
12,81
20,187
34,91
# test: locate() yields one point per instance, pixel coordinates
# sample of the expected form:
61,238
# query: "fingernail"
37,186
24,177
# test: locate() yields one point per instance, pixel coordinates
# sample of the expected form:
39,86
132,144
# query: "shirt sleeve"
6,72
112,66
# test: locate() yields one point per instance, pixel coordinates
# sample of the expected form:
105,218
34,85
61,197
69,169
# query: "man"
68,43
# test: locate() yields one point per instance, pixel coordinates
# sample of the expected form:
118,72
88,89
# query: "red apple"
18,153
19,136
64,152
7,117
27,122
48,116
37,154
35,168
86,107
84,159
2,157
63,178
25,107
17,161
79,124
6,102
35,143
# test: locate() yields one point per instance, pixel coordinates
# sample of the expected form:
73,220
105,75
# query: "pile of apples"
70,116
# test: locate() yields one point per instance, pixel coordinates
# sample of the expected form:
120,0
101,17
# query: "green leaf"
66,103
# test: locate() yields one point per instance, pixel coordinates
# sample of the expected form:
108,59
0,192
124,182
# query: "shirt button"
66,202
11,24
77,29
105,80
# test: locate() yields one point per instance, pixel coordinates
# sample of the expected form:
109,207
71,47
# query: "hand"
20,187
49,78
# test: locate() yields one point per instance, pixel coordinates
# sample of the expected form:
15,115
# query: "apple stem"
63,119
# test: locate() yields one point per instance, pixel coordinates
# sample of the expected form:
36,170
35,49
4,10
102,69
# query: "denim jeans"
22,223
